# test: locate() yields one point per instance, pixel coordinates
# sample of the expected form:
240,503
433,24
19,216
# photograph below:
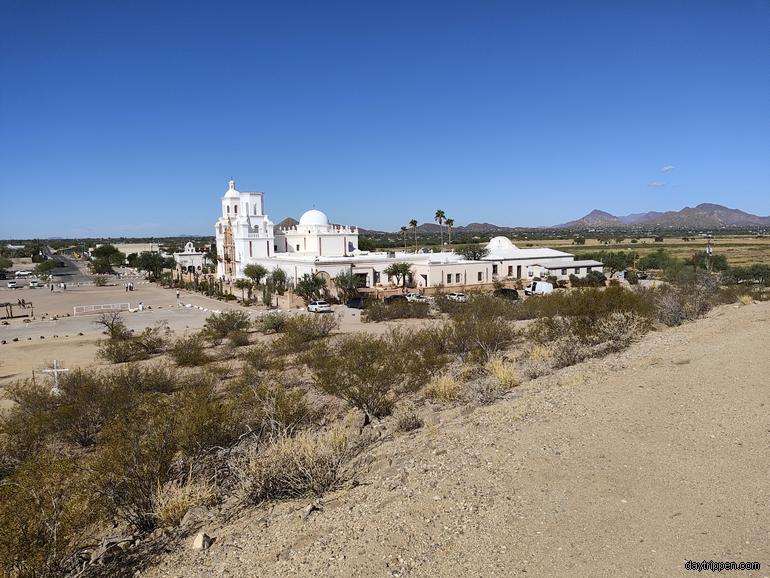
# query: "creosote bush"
220,325
273,322
175,498
378,311
190,351
303,329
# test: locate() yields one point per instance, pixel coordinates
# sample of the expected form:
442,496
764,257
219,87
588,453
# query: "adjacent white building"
245,235
190,260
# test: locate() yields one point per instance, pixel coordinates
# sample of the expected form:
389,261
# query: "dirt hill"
628,465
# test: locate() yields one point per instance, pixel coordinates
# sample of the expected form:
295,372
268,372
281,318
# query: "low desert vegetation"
136,446
399,310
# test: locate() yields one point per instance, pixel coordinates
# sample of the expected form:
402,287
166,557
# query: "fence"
96,309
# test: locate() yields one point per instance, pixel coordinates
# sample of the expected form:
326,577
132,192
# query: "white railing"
95,309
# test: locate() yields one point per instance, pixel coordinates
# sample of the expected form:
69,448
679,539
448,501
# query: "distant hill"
703,216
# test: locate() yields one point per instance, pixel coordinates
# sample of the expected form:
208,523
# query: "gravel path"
624,466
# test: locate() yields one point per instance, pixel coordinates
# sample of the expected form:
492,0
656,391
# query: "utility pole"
55,370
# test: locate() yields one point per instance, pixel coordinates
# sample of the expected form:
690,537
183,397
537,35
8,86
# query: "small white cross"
55,370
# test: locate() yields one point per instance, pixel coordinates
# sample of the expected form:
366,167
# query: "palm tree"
413,224
403,234
449,224
439,218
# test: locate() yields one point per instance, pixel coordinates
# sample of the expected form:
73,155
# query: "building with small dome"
315,246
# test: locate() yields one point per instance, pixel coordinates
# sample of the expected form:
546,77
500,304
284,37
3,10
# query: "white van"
539,288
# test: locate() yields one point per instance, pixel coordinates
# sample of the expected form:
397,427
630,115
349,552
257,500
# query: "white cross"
56,370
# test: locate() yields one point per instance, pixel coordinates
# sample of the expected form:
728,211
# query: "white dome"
500,243
231,192
314,217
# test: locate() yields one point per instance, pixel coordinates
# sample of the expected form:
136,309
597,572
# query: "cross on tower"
55,370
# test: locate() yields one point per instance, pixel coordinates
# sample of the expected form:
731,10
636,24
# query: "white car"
23,274
539,288
13,285
459,297
319,307
416,298
34,284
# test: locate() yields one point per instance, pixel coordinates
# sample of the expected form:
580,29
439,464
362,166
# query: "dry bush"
121,351
270,408
569,351
293,467
175,498
480,338
158,377
444,387
114,326
503,372
273,322
190,351
238,338
220,325
620,329
303,329
407,418
259,357
486,391
399,310
536,362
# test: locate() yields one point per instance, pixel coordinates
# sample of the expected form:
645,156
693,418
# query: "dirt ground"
624,466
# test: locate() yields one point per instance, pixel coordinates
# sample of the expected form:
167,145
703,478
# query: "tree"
347,284
403,234
399,271
255,273
439,218
310,287
45,267
278,277
5,263
154,263
579,241
449,224
105,256
243,284
413,224
474,252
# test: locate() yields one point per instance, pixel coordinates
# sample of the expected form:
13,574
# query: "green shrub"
270,408
273,322
302,329
220,325
378,311
190,351
121,351
238,338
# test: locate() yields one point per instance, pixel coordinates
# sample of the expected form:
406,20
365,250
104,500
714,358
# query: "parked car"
394,299
459,297
23,274
357,302
13,285
3,275
319,307
507,293
416,298
35,284
539,288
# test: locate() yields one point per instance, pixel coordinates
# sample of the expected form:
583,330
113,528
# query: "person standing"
178,302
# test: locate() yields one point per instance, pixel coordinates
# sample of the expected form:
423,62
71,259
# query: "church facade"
246,235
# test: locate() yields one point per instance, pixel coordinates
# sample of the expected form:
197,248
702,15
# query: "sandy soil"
625,466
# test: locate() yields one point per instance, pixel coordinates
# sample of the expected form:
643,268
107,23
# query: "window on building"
494,269
530,273
275,248
510,270
589,269
563,271
235,209
457,277
228,209
448,278
297,247
578,270
255,209
479,276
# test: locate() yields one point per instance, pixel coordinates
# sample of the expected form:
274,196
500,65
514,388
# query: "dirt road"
626,466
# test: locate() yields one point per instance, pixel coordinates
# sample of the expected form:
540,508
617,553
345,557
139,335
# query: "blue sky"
127,118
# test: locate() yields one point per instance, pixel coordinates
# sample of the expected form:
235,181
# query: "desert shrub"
302,329
114,326
293,467
445,305
687,301
175,498
568,351
536,362
620,329
159,377
238,338
589,303
273,322
745,299
26,427
135,456
260,357
407,418
479,338
370,372
632,277
502,372
592,279
190,351
220,325
271,408
399,310
203,419
444,387
121,350
44,510
486,391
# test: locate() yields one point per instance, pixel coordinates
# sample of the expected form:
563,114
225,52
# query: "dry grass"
407,418
174,499
444,387
503,372
292,467
745,300
536,362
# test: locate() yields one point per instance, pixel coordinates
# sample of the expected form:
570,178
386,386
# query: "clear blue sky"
127,118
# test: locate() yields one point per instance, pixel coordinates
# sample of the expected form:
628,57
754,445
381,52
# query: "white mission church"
245,235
